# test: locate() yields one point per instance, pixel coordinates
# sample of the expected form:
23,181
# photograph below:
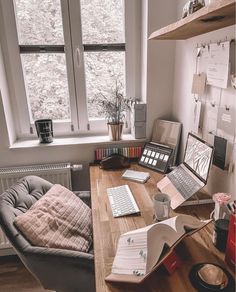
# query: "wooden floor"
14,277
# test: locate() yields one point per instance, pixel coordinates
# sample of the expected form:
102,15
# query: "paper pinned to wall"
226,120
199,83
196,116
218,64
210,122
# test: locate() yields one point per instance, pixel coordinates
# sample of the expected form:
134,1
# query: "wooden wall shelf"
219,14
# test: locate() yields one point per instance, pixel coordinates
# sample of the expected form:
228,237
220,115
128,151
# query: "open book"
141,251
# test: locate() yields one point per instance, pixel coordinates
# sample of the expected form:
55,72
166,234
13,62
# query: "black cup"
220,233
44,130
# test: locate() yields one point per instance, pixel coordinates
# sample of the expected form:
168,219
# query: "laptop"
191,175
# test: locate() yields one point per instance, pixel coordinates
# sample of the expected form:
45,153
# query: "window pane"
46,85
103,70
102,21
39,22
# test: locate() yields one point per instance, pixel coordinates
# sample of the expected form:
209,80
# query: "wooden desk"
106,232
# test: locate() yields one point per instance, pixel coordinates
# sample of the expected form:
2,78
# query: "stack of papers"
137,176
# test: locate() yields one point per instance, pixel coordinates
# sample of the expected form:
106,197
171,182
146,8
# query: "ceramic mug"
161,205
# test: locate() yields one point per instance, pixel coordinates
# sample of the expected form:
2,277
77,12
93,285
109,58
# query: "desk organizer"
133,153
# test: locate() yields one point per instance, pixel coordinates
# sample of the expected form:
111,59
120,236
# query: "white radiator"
59,173
55,173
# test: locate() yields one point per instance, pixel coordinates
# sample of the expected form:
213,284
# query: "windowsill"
127,138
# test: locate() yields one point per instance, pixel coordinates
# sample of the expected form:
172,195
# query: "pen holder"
230,256
220,234
221,210
44,130
161,205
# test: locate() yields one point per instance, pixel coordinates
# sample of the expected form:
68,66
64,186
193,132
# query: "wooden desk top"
107,230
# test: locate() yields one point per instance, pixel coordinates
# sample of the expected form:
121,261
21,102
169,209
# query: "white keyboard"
122,201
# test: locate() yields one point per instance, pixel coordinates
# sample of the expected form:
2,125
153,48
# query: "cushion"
59,219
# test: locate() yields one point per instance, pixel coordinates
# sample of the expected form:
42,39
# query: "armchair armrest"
85,196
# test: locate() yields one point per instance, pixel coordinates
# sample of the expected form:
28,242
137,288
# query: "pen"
229,207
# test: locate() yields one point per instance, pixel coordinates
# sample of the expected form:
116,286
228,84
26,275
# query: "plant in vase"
114,108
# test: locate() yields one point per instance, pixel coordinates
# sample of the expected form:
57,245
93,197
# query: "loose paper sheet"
226,120
210,122
218,64
196,116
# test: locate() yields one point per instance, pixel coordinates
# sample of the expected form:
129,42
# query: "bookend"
172,262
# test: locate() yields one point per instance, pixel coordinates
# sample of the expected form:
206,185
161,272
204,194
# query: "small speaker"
138,120
138,130
138,112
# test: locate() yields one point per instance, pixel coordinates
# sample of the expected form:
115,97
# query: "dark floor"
14,277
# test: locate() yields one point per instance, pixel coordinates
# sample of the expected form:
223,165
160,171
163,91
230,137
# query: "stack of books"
137,176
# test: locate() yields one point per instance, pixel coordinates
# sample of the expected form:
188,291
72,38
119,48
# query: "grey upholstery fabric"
56,269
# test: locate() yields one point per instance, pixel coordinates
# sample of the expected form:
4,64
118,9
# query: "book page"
131,255
132,251
157,238
169,232
185,223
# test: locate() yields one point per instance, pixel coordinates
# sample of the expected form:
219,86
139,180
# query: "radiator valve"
76,167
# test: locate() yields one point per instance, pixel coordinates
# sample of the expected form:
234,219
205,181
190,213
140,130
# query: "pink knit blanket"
59,219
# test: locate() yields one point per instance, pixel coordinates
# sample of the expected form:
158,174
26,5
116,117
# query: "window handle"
77,56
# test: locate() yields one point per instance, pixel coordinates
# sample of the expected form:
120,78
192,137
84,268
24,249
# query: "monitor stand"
200,198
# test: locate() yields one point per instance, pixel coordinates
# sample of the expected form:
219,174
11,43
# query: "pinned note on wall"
196,116
226,120
199,83
218,64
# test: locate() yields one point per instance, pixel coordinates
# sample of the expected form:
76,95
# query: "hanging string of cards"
213,89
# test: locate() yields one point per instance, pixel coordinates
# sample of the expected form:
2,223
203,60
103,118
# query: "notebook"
137,176
191,175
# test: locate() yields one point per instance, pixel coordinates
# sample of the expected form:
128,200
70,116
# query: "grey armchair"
56,269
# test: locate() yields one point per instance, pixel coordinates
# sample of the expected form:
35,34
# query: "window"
65,54
104,48
41,44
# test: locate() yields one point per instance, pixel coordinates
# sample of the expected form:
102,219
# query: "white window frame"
74,51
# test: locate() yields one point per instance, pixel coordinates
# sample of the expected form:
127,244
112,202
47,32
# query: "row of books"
130,152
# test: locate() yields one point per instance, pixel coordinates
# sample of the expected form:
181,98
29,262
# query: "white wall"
185,62
158,60
7,126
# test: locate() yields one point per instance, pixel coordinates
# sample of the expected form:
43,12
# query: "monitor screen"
198,156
